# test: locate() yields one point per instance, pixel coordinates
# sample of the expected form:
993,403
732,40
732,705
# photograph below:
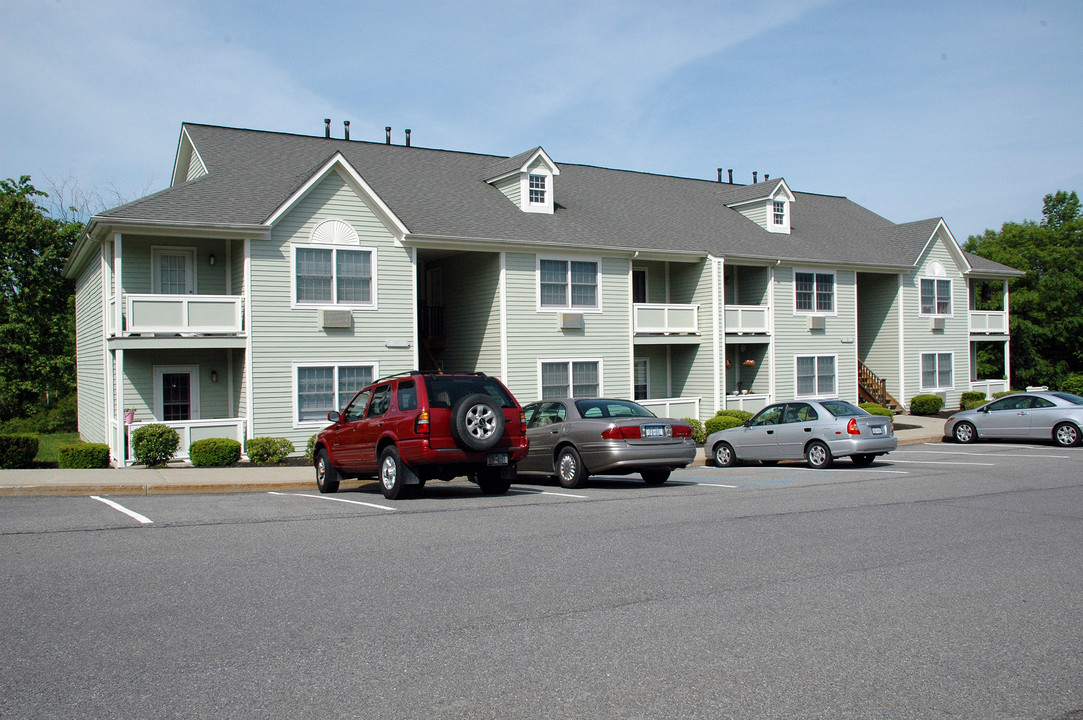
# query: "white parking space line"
718,485
939,462
120,508
985,454
549,492
342,500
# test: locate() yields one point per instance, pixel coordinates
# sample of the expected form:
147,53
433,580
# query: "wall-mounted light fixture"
210,258
214,376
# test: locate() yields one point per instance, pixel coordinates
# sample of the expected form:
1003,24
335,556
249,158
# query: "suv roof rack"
408,373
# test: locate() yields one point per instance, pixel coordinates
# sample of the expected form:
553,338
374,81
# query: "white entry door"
174,271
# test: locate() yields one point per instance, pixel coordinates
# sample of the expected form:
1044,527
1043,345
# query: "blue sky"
967,110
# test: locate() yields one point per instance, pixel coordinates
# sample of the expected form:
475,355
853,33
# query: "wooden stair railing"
872,388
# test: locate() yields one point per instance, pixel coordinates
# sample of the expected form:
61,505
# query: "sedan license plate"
877,429
653,431
496,459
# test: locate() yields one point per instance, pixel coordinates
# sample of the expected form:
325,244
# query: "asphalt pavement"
182,478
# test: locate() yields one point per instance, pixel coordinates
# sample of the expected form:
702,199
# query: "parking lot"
942,580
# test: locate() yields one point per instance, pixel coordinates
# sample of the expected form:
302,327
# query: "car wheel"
477,422
327,476
862,460
391,473
491,483
570,470
818,456
655,477
1066,434
965,433
723,455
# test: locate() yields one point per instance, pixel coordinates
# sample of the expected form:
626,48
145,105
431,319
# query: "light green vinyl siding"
656,279
512,189
90,353
139,380
693,366
657,369
756,213
920,338
878,326
534,334
195,168
793,336
137,268
471,289
283,335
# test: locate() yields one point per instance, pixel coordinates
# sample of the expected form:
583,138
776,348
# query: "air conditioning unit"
817,322
937,323
571,321
330,318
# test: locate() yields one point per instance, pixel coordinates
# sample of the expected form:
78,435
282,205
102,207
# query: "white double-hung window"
568,284
322,388
936,371
813,292
935,296
816,376
569,378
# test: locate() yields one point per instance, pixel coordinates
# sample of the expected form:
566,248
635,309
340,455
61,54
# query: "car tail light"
851,427
421,425
522,423
630,432
682,431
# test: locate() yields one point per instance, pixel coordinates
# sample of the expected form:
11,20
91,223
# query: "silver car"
1056,416
573,438
818,431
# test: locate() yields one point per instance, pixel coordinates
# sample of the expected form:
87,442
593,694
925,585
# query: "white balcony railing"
673,407
752,402
192,430
183,314
989,386
990,322
665,318
746,319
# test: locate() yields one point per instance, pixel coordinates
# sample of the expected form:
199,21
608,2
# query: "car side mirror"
747,423
983,409
333,416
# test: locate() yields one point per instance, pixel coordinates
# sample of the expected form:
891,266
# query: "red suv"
409,428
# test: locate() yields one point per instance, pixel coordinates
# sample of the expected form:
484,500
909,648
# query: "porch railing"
665,318
752,402
183,313
746,319
989,386
989,322
192,430
687,407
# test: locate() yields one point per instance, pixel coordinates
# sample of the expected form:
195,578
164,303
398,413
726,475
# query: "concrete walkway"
183,479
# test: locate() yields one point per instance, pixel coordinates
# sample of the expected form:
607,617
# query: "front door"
174,271
176,393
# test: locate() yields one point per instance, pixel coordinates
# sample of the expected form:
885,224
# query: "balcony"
988,322
194,320
657,323
747,319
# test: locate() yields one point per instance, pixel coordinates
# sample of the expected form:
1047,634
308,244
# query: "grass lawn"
49,445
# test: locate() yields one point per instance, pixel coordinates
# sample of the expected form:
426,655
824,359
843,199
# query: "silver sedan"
1056,416
818,431
572,438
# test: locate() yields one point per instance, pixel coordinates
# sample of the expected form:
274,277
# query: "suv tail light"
851,427
522,423
682,431
630,432
421,425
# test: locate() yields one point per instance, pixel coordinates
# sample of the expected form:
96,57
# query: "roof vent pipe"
327,127
346,124
719,174
730,171
387,135
754,180
766,177
407,137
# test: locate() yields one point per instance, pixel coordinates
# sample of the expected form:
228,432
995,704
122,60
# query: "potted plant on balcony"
749,363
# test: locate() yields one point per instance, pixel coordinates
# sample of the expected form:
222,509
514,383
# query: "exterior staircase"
872,388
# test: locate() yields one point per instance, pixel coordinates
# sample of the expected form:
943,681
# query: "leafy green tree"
37,306
1047,302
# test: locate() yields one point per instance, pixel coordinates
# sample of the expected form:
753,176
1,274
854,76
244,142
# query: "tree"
37,304
1047,302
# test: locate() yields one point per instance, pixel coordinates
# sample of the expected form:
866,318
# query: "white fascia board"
953,248
491,244
548,161
185,149
782,190
354,179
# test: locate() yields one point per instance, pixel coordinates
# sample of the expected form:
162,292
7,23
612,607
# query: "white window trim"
834,293
156,251
524,189
297,422
818,395
951,296
567,307
647,363
571,380
372,305
158,371
784,226
921,370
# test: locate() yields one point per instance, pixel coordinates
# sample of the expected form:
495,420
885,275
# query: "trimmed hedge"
741,415
926,404
83,456
876,409
214,452
698,433
155,444
17,450
721,422
265,450
972,399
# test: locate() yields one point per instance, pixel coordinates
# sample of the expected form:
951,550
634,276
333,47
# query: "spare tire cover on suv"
477,422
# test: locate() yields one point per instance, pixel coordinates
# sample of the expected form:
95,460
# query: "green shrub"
84,456
214,452
876,409
971,399
310,449
154,444
741,415
17,450
264,450
698,433
63,416
1071,383
926,404
721,422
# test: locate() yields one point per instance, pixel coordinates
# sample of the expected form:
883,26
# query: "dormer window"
526,180
537,189
779,214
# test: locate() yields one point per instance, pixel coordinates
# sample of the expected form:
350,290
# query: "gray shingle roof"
444,194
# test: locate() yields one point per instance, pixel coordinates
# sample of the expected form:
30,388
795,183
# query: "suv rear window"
446,390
